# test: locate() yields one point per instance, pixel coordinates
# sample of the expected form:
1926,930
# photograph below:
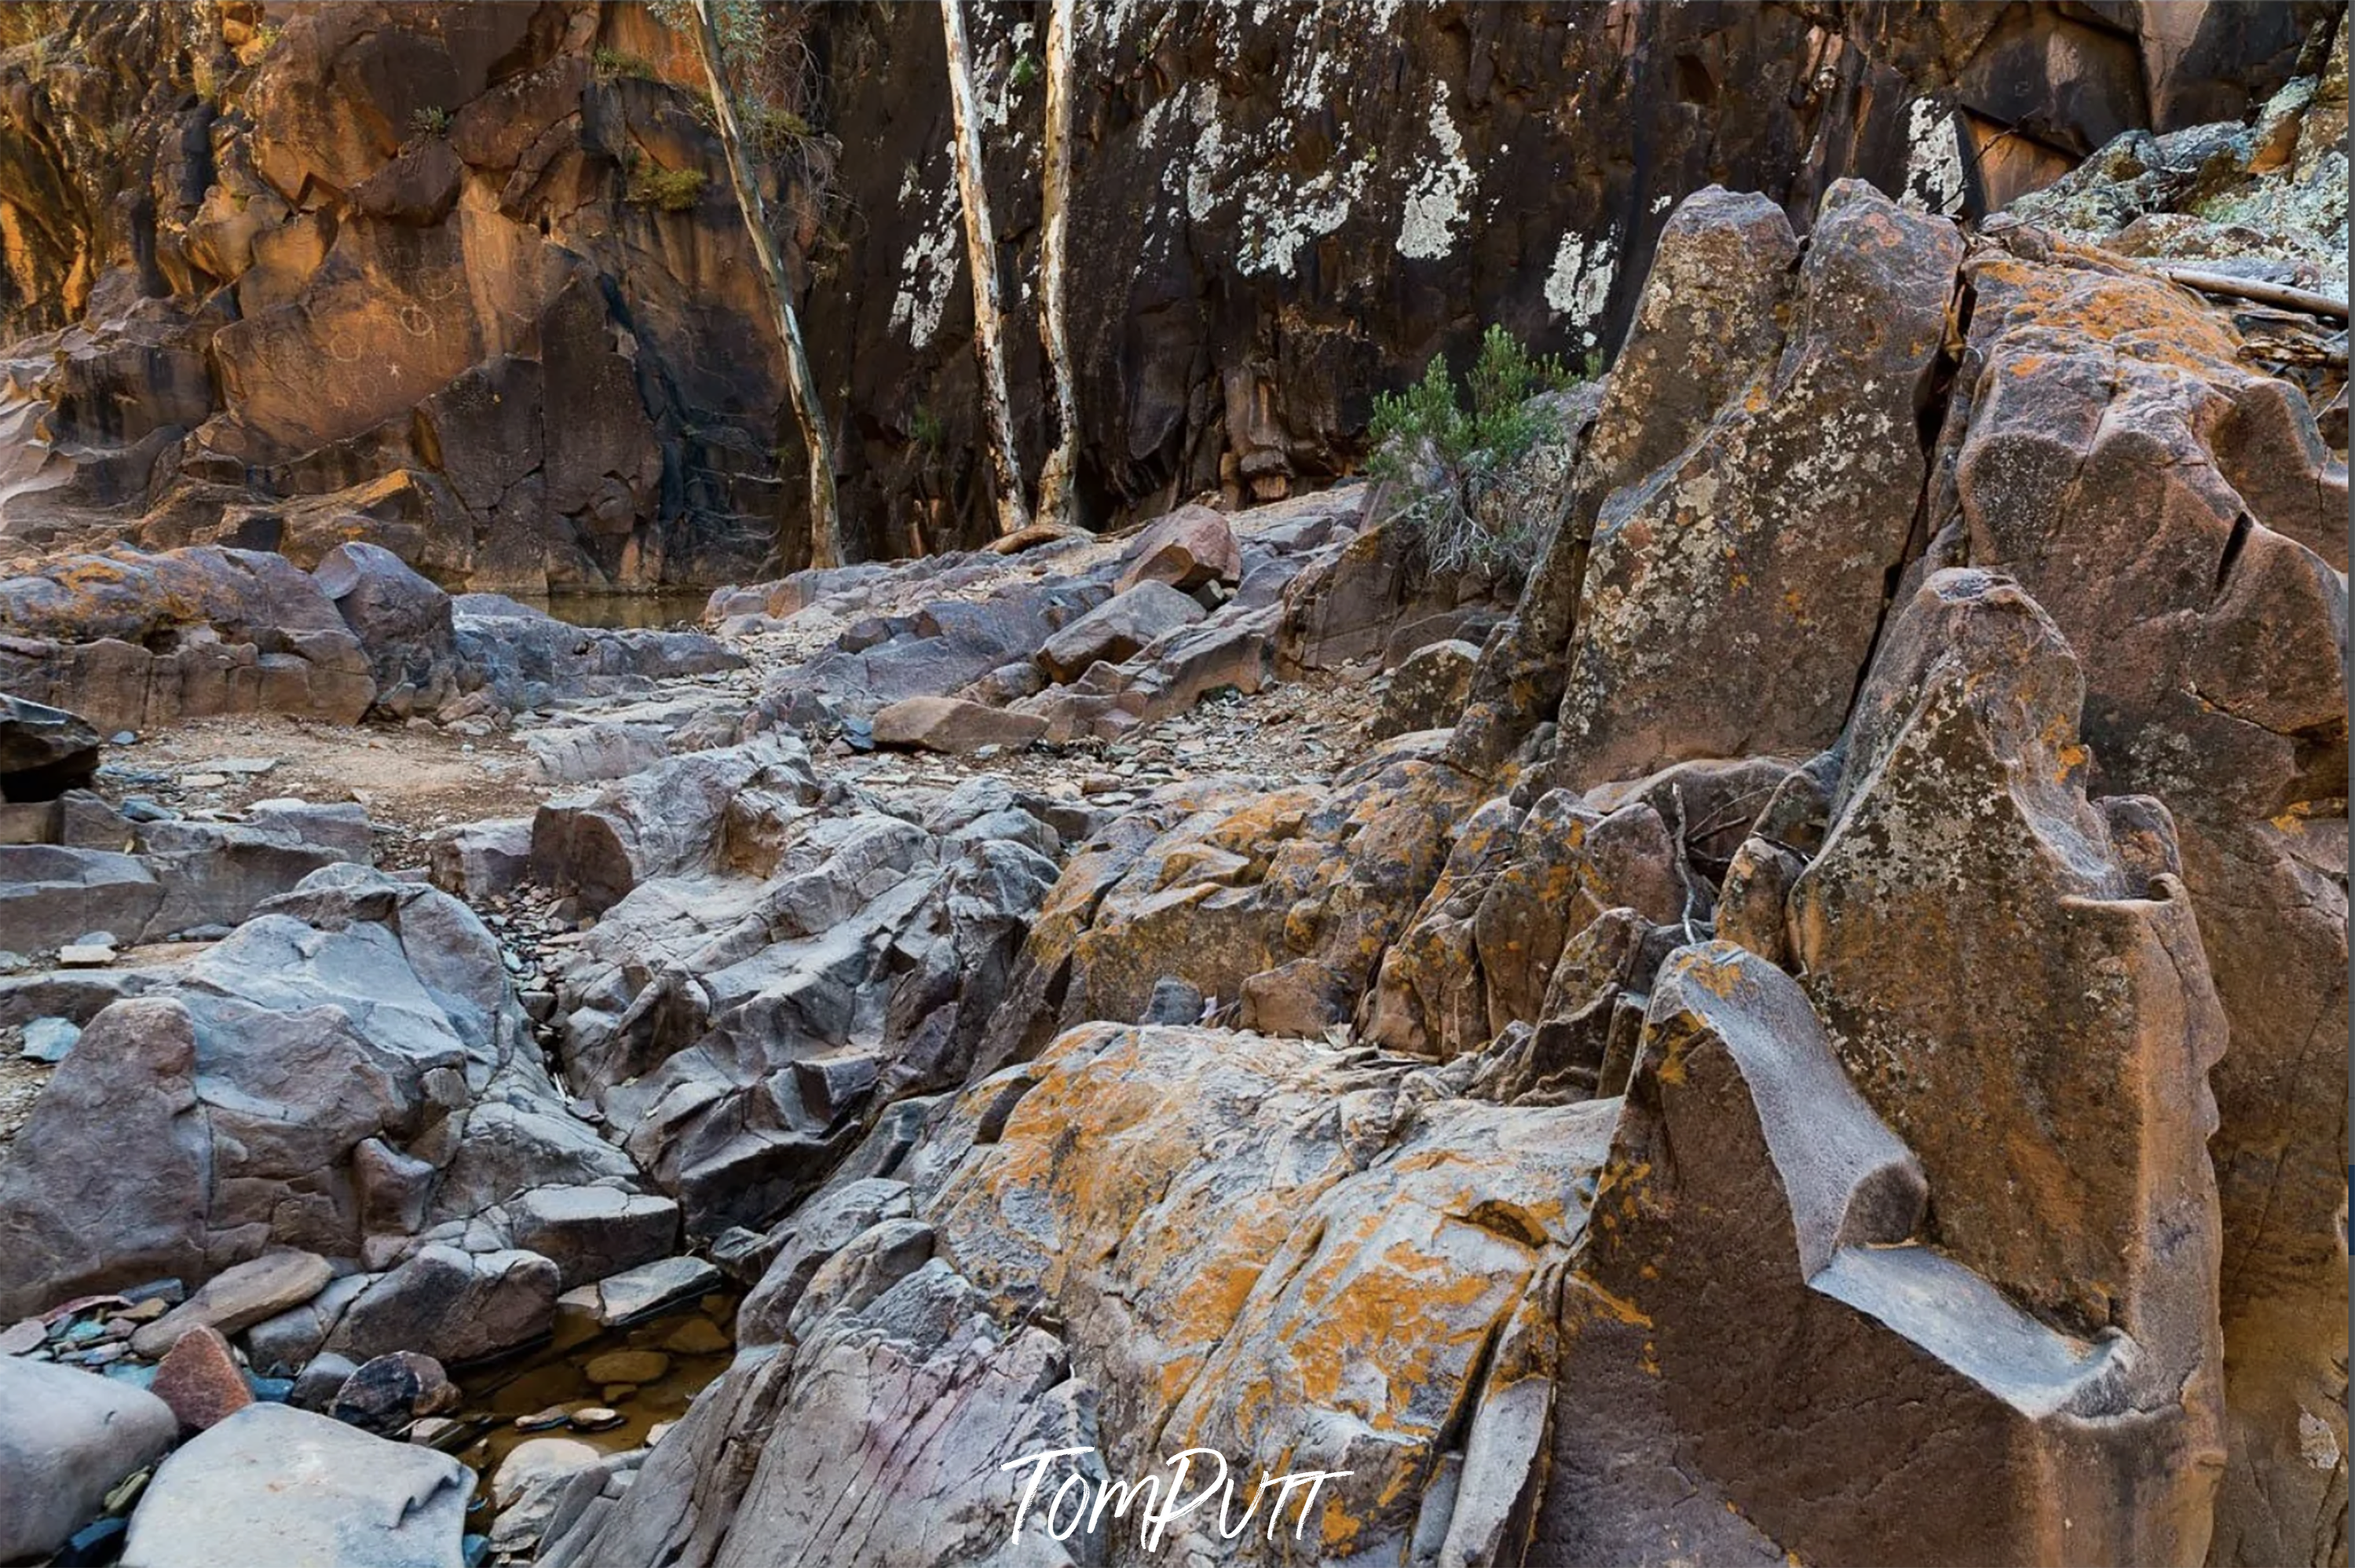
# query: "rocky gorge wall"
467,282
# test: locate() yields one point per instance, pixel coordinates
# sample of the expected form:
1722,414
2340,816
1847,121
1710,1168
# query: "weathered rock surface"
272,1484
949,724
1252,1290
1752,1196
464,327
1731,595
347,1072
131,641
786,964
2104,419
67,1439
1283,900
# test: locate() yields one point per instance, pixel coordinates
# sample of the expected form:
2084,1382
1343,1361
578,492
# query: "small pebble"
596,1418
546,1420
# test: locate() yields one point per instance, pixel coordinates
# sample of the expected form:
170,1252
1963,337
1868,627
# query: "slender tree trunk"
825,520
981,256
1055,481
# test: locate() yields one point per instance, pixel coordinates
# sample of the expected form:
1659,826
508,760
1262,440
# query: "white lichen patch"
1437,203
1933,160
928,272
1579,283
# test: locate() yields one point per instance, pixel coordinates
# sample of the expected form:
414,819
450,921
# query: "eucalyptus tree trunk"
981,256
1055,481
826,519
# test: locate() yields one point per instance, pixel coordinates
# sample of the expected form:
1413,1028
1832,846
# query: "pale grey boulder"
274,1487
67,1438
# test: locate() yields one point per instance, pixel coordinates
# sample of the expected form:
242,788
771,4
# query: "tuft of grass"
925,429
1448,462
433,120
610,65
666,190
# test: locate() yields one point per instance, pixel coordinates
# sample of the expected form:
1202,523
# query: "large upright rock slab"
1707,322
1755,1211
2165,504
1967,913
1731,595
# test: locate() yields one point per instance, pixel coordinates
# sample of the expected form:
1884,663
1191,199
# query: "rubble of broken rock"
1577,1057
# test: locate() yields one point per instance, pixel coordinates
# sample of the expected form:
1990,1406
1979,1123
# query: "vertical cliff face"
1275,208
469,279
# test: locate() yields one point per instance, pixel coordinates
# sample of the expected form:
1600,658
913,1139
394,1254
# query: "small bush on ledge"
1447,467
668,191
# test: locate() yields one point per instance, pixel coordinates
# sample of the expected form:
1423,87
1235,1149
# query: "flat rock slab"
238,1298
953,725
274,1486
67,1437
653,1286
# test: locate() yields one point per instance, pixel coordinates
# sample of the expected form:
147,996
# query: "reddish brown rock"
1480,953
1755,1211
2108,427
1967,910
1731,595
1190,548
953,725
200,1380
1117,628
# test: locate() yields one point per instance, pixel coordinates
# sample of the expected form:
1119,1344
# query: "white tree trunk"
825,520
1055,177
981,257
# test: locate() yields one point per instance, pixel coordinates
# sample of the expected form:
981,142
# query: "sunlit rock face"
470,283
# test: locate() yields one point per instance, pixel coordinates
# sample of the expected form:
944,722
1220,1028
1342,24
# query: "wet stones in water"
546,1420
596,1418
388,1392
698,1336
626,1367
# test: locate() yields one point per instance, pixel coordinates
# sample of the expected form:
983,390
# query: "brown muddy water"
625,611
695,1339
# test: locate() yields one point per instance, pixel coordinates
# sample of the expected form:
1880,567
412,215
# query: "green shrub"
1447,465
668,191
1025,71
610,65
431,121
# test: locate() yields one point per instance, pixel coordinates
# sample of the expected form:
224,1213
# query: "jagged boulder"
349,1072
1283,900
739,1012
1752,1200
2101,418
1731,595
402,620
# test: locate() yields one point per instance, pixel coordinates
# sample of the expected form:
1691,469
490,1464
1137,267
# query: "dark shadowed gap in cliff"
1930,418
